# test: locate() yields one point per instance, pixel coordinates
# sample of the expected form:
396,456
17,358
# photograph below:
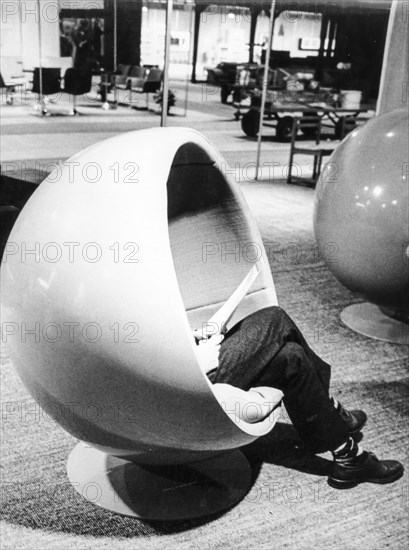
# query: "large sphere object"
361,219
111,263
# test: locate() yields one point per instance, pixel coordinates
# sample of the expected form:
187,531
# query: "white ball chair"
138,239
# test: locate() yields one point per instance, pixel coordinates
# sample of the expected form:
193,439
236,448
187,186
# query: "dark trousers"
268,349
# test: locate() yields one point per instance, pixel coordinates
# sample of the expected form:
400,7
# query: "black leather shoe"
355,419
365,467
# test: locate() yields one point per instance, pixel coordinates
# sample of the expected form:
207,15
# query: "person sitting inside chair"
266,349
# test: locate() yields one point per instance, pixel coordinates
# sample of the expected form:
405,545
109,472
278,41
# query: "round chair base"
159,492
368,319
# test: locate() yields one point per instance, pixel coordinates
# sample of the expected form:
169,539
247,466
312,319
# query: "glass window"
83,40
223,36
153,36
298,33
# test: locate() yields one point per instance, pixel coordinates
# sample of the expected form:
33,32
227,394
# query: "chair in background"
9,89
77,82
153,81
346,124
149,83
136,81
46,82
308,124
12,78
120,79
136,76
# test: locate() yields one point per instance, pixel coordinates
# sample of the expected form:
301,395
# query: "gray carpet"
290,504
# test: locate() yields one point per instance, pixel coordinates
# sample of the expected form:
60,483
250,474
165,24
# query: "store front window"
223,36
153,36
298,33
261,36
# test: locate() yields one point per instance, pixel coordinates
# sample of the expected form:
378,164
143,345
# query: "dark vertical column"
198,13
255,12
129,32
108,59
325,21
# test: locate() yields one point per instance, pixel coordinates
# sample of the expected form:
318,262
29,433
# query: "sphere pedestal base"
369,320
159,492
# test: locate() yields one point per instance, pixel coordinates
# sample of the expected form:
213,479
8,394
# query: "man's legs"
267,349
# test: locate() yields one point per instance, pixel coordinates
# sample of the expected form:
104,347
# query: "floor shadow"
58,507
282,447
232,119
267,138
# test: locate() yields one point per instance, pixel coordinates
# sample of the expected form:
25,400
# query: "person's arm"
208,340
207,351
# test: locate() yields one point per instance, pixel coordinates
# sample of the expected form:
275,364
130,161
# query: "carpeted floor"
290,504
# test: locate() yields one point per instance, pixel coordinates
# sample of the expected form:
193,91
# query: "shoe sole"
357,430
348,484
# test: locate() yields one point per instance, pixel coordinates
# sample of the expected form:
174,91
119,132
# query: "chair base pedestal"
369,320
159,492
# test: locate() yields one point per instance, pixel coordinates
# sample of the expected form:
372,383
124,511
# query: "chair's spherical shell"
361,216
110,355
